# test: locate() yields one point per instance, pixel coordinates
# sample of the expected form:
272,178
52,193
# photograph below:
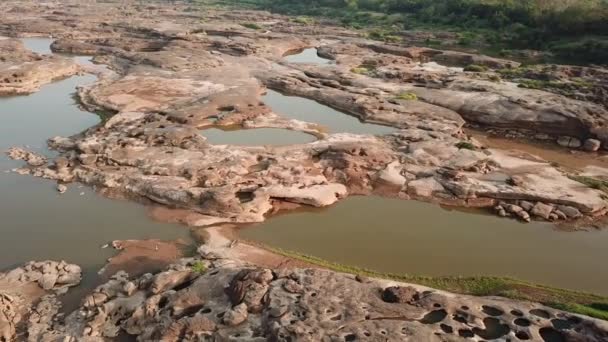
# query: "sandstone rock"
570,212
62,188
542,210
31,158
592,145
424,187
236,315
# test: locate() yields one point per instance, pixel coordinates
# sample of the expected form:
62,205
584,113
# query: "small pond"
256,136
307,56
331,120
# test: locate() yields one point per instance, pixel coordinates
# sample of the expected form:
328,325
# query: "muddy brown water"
38,223
256,136
409,237
333,121
307,56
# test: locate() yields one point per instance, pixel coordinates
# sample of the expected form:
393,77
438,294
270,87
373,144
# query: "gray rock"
570,142
48,281
570,212
592,145
236,316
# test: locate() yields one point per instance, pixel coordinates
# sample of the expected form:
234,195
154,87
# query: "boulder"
592,145
542,210
236,315
569,142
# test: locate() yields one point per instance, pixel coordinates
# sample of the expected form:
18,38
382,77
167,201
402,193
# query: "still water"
256,136
410,237
38,222
331,120
307,56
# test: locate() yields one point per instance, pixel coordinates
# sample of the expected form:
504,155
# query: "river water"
410,237
382,234
37,222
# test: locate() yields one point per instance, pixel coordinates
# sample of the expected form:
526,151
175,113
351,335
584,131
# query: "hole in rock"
336,318
466,333
561,324
493,329
517,313
189,311
492,311
350,337
245,196
433,317
540,313
522,322
551,335
446,328
522,335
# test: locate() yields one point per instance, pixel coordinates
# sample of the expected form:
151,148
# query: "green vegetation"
406,96
304,20
252,26
465,145
360,70
591,182
475,68
199,267
574,30
573,301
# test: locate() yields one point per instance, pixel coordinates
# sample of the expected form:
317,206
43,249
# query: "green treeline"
534,24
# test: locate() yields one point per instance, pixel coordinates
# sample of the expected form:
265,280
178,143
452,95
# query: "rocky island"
174,72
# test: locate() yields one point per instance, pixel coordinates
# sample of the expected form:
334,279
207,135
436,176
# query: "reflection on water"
39,223
39,45
333,121
256,136
411,237
307,56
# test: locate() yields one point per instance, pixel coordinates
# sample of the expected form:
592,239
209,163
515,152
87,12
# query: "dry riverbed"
383,119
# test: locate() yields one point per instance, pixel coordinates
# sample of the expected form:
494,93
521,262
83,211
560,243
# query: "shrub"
199,267
406,96
252,26
465,145
360,70
475,68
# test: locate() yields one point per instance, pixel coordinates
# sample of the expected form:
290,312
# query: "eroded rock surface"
221,298
28,300
24,72
178,73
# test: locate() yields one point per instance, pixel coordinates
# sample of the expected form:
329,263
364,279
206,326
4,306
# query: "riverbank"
380,119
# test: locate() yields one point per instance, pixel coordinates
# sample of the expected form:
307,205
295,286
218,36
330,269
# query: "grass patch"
568,300
199,267
406,96
465,145
591,182
252,26
303,20
360,70
475,68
